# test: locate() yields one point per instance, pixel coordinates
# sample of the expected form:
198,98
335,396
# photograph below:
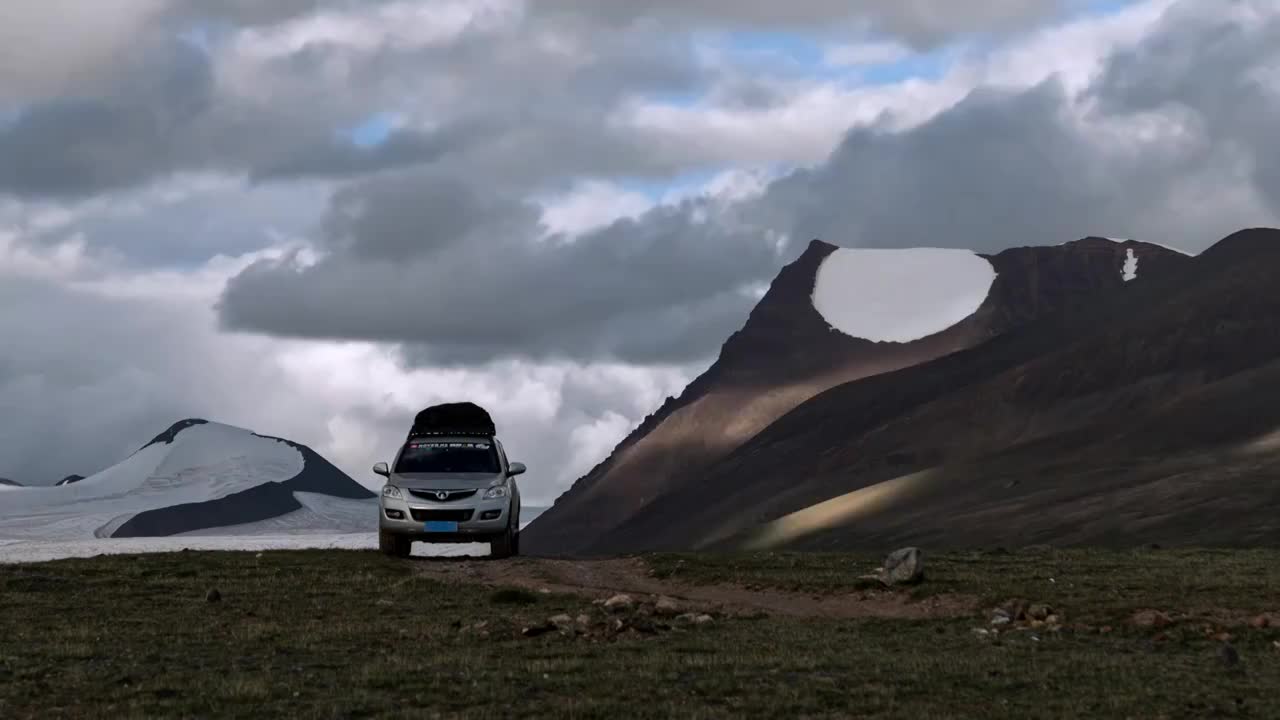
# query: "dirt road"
599,579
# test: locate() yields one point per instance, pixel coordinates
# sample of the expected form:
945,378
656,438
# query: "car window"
448,456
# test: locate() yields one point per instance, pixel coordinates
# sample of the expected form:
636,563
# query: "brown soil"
601,579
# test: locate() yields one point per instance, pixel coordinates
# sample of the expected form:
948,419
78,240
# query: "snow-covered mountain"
196,478
6,483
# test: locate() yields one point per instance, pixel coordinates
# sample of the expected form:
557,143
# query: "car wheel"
505,545
393,545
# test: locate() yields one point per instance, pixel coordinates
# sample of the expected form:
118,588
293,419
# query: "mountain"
6,483
1138,418
894,309
70,480
197,477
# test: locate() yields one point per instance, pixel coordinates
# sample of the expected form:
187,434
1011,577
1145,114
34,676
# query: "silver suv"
450,489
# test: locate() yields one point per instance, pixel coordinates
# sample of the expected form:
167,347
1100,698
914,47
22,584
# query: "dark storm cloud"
461,272
922,22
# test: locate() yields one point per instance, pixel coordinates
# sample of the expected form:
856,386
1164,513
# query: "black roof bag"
463,418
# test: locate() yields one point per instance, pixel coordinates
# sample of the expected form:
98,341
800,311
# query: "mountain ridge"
741,394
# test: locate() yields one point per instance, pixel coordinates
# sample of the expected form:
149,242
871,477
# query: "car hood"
444,481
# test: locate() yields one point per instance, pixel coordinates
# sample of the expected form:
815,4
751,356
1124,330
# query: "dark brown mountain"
787,354
1141,416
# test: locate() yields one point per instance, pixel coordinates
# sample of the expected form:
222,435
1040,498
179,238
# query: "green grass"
330,634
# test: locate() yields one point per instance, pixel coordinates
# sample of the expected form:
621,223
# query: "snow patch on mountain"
1130,269
197,476
900,295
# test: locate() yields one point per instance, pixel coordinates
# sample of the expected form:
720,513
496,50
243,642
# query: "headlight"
496,492
391,491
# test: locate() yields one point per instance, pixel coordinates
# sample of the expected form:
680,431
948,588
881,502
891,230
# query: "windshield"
448,456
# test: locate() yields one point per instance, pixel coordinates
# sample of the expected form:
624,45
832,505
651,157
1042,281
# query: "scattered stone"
981,632
561,620
213,596
703,620
584,619
1036,624
385,602
537,630
667,606
686,618
544,591
619,602
1000,617
1039,612
904,567
873,580
1151,619
1016,609
1261,622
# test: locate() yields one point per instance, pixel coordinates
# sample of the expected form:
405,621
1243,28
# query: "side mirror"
382,469
516,468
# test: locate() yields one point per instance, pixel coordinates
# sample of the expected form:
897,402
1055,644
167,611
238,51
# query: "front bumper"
478,519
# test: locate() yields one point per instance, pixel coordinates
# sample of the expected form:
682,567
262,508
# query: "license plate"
440,526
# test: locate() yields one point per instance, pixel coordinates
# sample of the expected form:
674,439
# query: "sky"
312,218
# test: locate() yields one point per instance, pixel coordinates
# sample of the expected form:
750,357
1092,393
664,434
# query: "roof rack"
472,432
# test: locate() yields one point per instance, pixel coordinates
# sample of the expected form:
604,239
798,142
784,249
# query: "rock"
544,591
536,630
904,567
1053,619
1151,619
703,620
213,596
686,618
561,620
1261,622
1039,612
667,606
1016,609
619,602
584,619
1000,617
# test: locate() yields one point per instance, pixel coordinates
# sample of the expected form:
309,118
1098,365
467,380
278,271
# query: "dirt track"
603,578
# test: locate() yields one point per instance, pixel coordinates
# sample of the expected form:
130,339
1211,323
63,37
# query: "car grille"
450,497
445,515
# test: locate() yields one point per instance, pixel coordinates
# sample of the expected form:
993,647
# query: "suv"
450,488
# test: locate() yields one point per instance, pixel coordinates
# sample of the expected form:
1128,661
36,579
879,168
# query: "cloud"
467,274
921,22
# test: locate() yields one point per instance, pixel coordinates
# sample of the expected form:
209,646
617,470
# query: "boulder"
904,567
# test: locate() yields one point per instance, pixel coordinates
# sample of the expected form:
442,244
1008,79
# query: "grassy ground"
351,634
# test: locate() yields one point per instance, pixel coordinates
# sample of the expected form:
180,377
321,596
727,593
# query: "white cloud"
590,205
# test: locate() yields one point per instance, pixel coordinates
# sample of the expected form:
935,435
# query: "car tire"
393,545
505,545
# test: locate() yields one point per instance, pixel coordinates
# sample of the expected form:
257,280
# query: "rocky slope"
1134,418
786,354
